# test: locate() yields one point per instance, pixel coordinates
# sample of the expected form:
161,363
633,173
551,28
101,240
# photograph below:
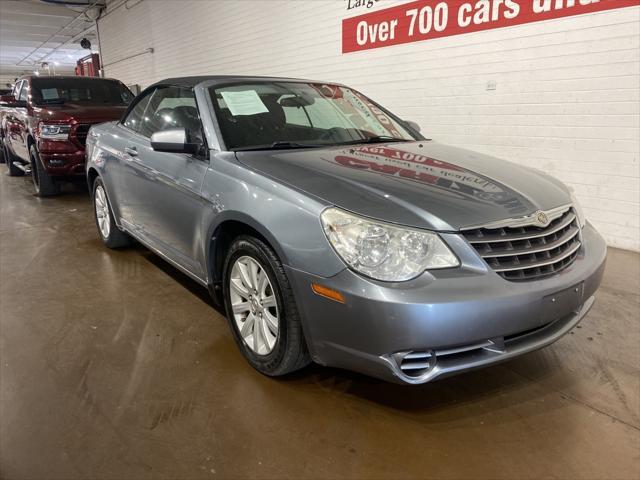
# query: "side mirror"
174,140
10,101
413,125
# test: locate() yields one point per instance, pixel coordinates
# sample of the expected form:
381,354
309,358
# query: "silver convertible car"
333,231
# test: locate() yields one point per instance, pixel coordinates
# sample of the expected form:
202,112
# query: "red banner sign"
426,19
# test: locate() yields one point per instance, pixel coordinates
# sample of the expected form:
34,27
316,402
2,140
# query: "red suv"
44,128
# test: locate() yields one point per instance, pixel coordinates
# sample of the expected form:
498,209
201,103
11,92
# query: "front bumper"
62,158
449,320
63,164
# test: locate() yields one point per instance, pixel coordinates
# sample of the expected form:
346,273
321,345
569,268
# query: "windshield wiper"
285,145
377,139
280,146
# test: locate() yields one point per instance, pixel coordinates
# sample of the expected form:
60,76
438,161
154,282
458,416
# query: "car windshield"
51,90
273,115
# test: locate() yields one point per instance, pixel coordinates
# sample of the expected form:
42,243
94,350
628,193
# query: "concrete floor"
116,366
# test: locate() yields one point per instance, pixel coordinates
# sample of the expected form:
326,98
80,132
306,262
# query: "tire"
1,150
108,231
9,159
43,183
289,351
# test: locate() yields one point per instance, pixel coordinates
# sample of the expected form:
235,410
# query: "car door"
8,117
124,143
163,189
17,125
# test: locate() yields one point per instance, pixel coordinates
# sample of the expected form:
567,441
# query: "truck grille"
528,252
81,132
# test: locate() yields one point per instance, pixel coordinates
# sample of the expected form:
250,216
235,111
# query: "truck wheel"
109,232
44,184
9,159
261,309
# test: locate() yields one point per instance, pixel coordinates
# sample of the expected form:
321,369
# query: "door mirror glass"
8,101
413,125
174,140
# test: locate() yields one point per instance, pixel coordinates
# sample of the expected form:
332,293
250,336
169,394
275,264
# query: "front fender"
288,219
241,217
98,159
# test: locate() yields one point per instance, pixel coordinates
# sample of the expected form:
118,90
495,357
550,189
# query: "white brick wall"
6,78
567,98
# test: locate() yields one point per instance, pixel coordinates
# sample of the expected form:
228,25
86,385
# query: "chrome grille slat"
415,355
524,236
566,237
414,366
528,252
572,250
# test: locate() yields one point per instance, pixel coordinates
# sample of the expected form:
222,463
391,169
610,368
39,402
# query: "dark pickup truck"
44,125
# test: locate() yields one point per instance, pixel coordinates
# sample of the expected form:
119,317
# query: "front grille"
81,134
416,363
528,252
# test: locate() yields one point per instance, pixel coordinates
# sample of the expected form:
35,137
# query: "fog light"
327,292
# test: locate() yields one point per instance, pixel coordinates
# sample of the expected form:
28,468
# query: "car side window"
24,93
16,89
134,119
172,107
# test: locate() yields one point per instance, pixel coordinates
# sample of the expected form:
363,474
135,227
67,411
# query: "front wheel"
261,309
43,183
109,232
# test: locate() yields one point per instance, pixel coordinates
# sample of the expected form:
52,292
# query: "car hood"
80,113
421,184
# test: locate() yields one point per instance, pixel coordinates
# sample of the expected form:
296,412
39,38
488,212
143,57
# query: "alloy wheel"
254,306
102,212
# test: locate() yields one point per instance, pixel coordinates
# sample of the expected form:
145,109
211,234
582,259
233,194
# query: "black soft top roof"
190,82
65,77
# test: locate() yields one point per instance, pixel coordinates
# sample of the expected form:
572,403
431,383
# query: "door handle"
131,151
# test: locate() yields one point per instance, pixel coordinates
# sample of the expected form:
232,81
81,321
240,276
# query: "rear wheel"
109,232
261,309
44,184
9,159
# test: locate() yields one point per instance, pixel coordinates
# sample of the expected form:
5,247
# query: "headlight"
54,132
382,251
578,209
